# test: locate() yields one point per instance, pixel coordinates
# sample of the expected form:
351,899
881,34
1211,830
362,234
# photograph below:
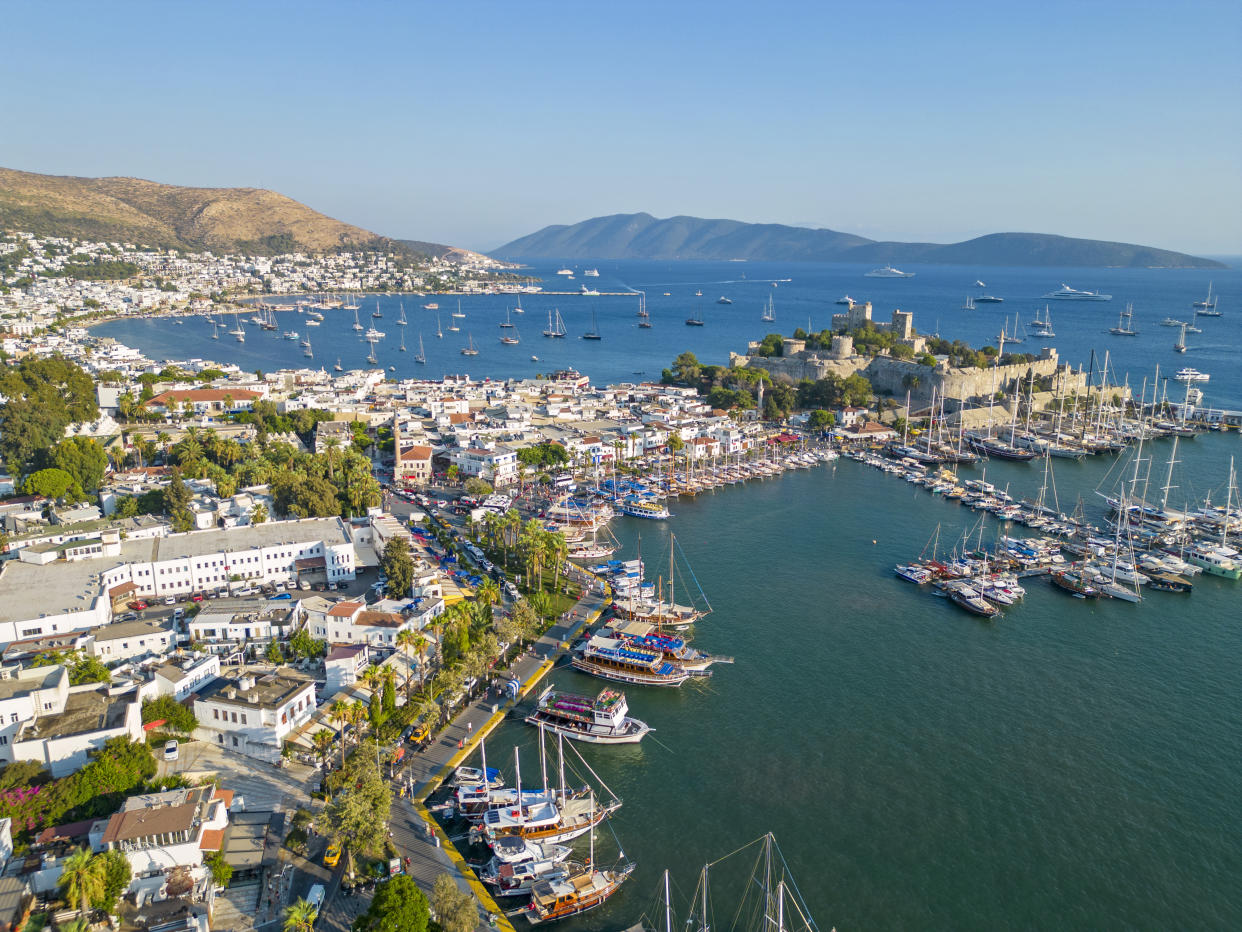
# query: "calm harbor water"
806,292
1071,765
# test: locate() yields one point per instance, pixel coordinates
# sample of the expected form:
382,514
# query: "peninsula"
642,236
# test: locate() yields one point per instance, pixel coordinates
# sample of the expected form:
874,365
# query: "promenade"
414,832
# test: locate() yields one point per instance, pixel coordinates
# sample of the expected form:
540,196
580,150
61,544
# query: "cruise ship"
1066,293
888,272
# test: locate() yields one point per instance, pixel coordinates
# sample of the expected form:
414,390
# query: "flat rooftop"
84,712
270,690
250,536
29,681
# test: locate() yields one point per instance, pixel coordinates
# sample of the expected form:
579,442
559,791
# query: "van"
315,897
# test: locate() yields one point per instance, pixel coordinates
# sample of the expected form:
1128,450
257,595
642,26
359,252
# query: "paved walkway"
415,834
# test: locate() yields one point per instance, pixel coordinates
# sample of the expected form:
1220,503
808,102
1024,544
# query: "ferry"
602,720
888,272
588,292
639,508
1066,293
614,659
591,273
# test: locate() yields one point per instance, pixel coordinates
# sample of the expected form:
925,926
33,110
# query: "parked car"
169,600
279,596
129,616
137,605
196,597
171,751
332,856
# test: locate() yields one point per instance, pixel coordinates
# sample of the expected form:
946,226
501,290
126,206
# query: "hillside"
250,220
642,236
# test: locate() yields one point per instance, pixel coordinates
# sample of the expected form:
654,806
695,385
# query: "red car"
137,605
196,597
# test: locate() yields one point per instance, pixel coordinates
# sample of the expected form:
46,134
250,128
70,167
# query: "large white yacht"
1066,293
888,272
1191,375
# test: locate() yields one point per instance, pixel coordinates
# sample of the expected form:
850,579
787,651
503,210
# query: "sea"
1072,764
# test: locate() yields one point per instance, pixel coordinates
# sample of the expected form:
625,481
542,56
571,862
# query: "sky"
475,123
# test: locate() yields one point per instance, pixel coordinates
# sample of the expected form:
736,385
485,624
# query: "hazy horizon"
474,125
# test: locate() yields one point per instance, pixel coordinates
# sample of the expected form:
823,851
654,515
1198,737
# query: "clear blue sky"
474,123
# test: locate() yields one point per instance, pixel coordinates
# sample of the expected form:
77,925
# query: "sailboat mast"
668,905
543,765
517,768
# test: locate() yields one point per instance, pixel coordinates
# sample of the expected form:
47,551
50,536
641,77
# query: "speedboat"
888,272
723,300
846,300
1066,293
1171,322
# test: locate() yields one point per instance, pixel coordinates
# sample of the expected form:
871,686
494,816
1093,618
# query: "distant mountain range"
642,236
249,220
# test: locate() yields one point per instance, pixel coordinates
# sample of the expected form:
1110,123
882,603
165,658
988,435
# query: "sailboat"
402,346
769,311
337,367
307,351
518,309
555,328
1180,345
1124,328
215,330
401,320
421,357
377,312
511,339
969,305
239,331
458,312
357,326
1043,327
507,322
593,333
1207,307
469,349
694,320
371,355
439,331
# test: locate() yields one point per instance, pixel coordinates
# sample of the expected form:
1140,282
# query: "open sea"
1071,765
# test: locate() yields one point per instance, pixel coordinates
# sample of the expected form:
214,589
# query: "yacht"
591,273
557,328
431,306
588,292
1066,293
290,334
569,272
888,272
337,367
603,719
694,321
989,299
1172,322
1207,307
593,333
373,334
1043,328
723,300
469,348
1191,375
845,299
769,311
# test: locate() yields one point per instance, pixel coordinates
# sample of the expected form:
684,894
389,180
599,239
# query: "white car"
169,600
170,751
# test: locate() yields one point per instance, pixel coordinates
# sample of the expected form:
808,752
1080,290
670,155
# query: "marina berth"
603,719
614,659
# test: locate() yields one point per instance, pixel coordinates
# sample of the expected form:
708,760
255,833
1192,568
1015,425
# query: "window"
234,717
234,741
215,713
243,721
4,739
13,718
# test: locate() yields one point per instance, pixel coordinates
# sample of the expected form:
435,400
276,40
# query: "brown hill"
147,213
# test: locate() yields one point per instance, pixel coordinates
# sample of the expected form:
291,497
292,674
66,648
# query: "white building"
186,675
127,640
160,831
253,713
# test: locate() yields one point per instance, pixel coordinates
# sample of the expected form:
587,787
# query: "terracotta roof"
124,588
344,609
213,839
145,822
379,619
458,418
204,394
416,452
225,795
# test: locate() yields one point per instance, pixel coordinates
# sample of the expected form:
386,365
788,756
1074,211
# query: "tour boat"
1215,560
546,821
675,649
888,272
602,720
1076,584
559,899
591,273
373,334
640,508
613,659
565,272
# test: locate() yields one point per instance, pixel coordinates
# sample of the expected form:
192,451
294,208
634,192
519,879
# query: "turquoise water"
1072,764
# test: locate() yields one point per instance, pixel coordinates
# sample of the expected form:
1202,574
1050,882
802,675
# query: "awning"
121,590
310,563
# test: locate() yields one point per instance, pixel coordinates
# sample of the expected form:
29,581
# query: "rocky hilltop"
642,236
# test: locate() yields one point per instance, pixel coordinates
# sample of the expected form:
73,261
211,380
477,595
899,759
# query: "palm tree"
488,591
556,551
322,740
83,879
342,714
300,916
421,644
372,676
405,640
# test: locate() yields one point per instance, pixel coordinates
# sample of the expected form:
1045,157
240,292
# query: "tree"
398,566
221,870
476,486
358,815
303,645
258,514
117,876
274,653
388,699
83,879
821,419
397,906
342,714
176,716
83,458
52,483
456,910
300,916
322,741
